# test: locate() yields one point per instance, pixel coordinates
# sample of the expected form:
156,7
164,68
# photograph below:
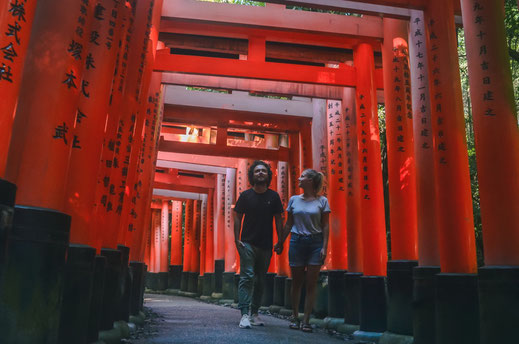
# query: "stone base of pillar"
123,308
400,296
219,267
365,336
163,280
236,283
34,271
152,280
138,272
7,198
174,276
499,303
287,298
96,301
373,304
228,285
268,291
77,293
208,285
200,285
457,308
279,290
192,282
424,304
184,281
112,287
352,299
336,294
321,299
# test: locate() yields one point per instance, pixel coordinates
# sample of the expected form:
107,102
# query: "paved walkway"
185,320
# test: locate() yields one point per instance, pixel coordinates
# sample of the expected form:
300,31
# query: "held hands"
278,248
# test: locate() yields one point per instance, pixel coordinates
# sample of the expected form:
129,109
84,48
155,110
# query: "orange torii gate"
439,233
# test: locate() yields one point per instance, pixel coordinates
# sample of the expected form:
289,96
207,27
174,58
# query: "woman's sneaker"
245,322
256,321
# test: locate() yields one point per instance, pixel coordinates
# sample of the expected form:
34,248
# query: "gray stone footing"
367,336
332,323
393,338
113,336
347,328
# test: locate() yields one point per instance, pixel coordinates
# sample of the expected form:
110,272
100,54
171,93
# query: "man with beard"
257,207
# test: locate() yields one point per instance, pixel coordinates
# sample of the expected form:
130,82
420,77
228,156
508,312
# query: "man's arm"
238,217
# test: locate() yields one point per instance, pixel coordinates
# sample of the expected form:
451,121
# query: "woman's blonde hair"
317,179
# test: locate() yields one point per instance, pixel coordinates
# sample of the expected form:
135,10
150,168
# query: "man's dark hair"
251,171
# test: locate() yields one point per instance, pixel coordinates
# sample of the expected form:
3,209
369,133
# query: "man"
256,207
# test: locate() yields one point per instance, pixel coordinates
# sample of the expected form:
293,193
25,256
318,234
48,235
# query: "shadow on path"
184,320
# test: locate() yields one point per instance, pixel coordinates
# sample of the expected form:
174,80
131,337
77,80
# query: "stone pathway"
176,319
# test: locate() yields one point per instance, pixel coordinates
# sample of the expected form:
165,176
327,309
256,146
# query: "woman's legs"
312,274
298,276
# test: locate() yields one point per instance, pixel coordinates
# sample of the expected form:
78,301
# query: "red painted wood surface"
100,62
455,220
220,217
42,134
188,233
196,234
16,20
176,233
351,175
372,197
428,246
164,236
230,247
337,242
495,128
400,147
209,241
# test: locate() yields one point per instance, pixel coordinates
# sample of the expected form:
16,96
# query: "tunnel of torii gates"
111,166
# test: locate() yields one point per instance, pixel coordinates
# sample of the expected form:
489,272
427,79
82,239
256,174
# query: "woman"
307,221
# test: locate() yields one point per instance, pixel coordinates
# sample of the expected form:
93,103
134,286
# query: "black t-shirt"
259,210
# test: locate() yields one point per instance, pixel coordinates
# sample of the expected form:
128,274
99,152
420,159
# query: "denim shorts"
305,250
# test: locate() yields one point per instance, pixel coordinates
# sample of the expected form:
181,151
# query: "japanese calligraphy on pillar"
436,92
363,138
336,145
15,32
142,57
422,115
480,36
282,182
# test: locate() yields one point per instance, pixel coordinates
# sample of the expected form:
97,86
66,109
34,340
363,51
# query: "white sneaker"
245,322
255,320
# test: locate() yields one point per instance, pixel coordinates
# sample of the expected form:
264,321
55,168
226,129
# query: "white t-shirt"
307,214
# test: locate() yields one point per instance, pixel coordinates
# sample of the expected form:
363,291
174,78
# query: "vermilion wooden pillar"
456,226
230,247
14,39
47,105
220,218
306,144
176,233
319,140
273,267
400,149
428,245
106,189
456,287
352,184
495,129
155,242
372,199
497,152
428,250
164,236
188,232
197,228
337,186
284,193
209,241
372,317
90,121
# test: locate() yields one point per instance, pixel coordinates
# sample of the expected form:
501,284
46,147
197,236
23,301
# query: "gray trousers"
254,263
